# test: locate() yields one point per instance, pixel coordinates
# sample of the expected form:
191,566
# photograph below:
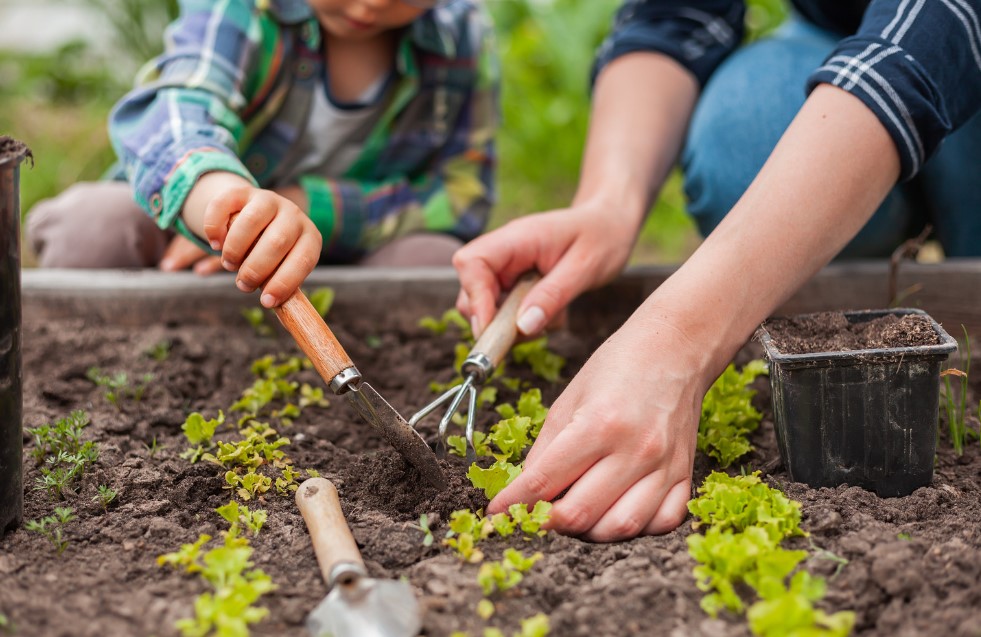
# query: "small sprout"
159,351
236,514
257,319
450,317
485,609
118,387
506,574
52,527
105,496
322,299
6,625
427,539
535,626
373,341
313,473
906,537
153,448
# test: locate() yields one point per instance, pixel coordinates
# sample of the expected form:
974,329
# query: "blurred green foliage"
58,103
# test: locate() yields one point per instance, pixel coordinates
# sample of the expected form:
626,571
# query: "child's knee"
93,225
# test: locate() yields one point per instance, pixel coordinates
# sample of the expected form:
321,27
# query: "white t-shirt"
335,134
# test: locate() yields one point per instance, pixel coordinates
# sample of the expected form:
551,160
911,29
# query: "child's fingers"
208,265
275,242
293,270
245,229
218,212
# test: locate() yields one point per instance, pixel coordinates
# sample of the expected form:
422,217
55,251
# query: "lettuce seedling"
494,478
322,299
236,514
529,405
199,432
257,319
791,612
485,609
544,363
248,486
506,574
52,527
531,522
450,317
728,415
742,502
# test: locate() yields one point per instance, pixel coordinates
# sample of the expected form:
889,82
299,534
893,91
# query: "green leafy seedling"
322,299
159,351
257,319
153,448
543,362
52,527
237,514
427,538
105,496
728,416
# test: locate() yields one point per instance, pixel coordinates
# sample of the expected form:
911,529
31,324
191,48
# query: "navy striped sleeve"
698,34
917,65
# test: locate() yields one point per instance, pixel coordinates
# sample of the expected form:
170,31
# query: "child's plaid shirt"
213,101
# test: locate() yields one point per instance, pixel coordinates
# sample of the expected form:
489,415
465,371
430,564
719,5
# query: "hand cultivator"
486,354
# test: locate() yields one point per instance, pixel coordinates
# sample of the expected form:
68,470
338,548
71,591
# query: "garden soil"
913,563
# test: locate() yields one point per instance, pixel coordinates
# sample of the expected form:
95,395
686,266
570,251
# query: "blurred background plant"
57,100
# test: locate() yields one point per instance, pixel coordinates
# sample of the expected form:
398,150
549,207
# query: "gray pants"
98,225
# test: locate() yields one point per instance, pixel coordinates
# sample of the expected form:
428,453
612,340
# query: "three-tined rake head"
477,368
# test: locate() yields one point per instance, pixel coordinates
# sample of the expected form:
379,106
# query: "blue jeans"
748,104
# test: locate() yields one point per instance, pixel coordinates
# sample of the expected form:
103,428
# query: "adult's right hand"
574,249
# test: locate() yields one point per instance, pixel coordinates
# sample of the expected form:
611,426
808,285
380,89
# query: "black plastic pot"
865,418
12,153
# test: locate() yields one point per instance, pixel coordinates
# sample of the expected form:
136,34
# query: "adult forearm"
641,106
823,181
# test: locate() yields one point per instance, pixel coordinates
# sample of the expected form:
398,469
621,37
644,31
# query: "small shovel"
333,364
356,605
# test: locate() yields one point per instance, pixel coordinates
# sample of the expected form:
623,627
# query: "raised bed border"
950,291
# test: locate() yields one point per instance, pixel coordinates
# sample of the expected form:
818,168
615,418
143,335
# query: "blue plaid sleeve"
917,65
698,34
182,120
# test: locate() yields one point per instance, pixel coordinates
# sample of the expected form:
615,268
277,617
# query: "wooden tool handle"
499,336
313,336
332,539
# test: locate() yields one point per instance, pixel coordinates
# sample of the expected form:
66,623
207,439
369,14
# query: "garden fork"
486,354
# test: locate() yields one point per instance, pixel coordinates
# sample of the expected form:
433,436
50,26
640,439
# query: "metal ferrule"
479,366
345,573
346,380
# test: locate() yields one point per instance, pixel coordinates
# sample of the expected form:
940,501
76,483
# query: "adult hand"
574,249
182,253
621,438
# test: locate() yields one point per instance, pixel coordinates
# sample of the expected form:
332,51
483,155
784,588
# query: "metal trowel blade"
367,608
398,432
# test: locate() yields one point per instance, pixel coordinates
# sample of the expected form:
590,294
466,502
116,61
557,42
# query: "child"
288,133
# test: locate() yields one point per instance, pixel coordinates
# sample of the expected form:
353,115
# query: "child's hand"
262,235
181,254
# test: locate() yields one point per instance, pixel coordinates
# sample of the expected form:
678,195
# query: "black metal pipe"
12,153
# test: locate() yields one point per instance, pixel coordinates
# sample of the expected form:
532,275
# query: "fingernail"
228,265
532,321
242,285
267,300
475,326
167,265
215,245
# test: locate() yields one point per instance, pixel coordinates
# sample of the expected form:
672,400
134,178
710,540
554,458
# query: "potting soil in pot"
913,564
